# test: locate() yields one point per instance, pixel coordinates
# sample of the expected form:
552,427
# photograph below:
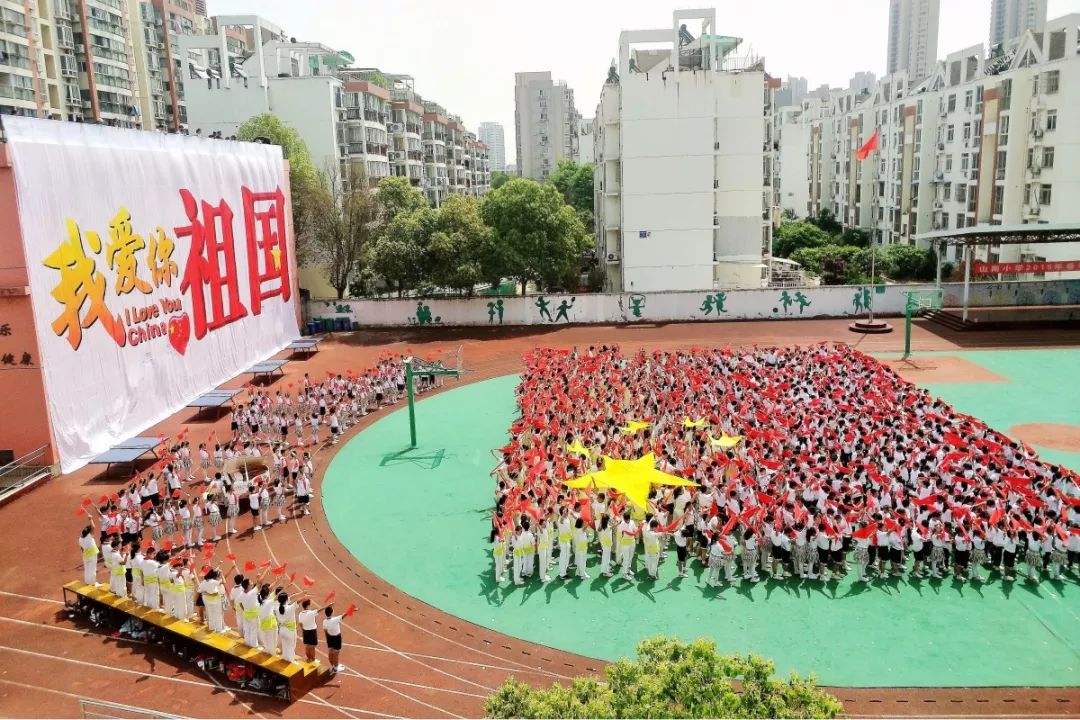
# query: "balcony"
375,116
376,149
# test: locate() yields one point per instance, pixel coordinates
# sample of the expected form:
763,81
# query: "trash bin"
342,324
312,327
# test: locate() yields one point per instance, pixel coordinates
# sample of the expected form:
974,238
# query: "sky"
463,55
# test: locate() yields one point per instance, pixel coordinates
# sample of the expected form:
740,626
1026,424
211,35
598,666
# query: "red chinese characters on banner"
993,268
211,265
264,223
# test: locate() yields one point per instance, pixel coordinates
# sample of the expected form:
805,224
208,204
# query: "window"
961,192
967,132
959,220
997,198
1030,156
948,163
948,192
1051,119
952,102
964,161
1053,81
1003,130
969,98
1048,157
1044,194
949,133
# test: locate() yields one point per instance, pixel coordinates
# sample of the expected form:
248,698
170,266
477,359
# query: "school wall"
756,304
24,420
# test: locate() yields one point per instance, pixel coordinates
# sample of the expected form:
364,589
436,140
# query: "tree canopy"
670,678
792,236
304,177
542,237
498,177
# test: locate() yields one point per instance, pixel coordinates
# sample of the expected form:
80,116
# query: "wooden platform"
293,679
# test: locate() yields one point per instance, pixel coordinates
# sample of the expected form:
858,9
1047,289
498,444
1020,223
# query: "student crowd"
806,461
153,535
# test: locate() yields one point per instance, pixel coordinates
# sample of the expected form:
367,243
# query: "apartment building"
861,81
156,26
984,140
68,59
585,145
1010,18
545,123
493,135
913,37
682,139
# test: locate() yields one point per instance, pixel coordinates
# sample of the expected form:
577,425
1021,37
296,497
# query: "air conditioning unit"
69,72
396,127
941,146
1037,132
1036,170
343,149
397,156
613,257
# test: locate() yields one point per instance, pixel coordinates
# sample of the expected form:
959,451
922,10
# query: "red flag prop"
230,556
80,511
167,545
329,597
279,570
995,517
264,564
103,499
249,566
869,146
351,610
866,532
87,502
927,501
147,544
307,582
147,505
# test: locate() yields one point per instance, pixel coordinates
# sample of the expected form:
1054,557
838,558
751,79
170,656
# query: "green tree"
457,246
543,239
396,195
907,262
304,180
346,220
671,679
498,177
791,236
575,183
854,236
826,220
399,255
834,264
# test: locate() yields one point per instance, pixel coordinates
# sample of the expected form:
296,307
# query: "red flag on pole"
307,582
329,597
869,146
350,610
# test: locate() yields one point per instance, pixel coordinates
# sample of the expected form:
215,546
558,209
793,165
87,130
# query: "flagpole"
869,325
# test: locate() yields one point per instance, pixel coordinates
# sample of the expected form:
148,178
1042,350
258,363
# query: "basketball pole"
412,368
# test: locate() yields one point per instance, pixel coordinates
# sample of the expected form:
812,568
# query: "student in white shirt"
307,618
332,629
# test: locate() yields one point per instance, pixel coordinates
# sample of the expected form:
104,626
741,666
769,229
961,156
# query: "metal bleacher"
274,674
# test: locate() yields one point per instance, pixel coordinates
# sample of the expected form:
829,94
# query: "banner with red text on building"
1043,266
160,266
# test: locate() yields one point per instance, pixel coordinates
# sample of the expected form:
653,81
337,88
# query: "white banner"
159,268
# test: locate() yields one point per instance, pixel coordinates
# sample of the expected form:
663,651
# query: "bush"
670,678
792,236
904,262
834,264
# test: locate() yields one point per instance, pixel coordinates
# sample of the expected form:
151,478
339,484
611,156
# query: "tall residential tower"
913,37
492,135
545,121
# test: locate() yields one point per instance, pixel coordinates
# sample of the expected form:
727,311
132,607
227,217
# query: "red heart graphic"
179,332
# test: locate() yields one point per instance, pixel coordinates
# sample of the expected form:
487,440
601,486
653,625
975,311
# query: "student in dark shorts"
308,629
332,630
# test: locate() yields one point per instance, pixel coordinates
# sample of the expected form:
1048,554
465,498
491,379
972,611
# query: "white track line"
388,648
32,597
73,696
394,615
370,679
183,681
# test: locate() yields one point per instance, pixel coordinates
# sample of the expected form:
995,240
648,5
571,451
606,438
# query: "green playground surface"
419,519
